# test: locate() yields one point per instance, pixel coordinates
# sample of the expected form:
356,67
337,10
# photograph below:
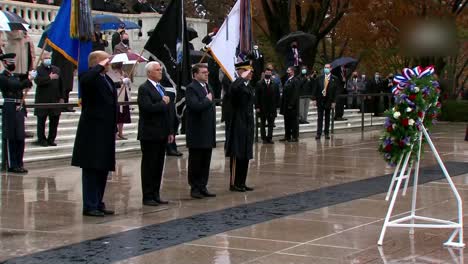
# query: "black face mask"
294,46
267,76
125,41
10,67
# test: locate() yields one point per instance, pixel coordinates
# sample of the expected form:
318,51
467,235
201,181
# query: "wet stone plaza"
314,202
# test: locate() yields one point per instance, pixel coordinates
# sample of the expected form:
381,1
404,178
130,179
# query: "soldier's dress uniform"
13,115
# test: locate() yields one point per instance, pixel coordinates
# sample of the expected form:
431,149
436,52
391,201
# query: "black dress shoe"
107,212
248,189
306,122
270,142
18,170
206,193
195,194
53,144
317,137
96,213
327,136
41,143
28,134
160,201
294,140
236,189
174,153
150,203
284,139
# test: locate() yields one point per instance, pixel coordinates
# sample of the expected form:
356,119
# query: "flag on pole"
233,42
169,44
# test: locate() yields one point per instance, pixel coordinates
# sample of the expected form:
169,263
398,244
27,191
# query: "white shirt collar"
153,82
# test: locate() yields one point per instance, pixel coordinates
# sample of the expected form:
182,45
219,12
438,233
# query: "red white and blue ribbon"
403,80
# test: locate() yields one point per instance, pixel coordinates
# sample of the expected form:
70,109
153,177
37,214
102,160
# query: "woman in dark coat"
94,149
240,138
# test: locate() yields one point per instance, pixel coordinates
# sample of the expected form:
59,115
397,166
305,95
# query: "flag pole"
134,65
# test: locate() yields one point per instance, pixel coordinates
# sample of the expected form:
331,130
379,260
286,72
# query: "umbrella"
347,62
10,21
192,33
113,26
128,58
304,40
107,19
196,56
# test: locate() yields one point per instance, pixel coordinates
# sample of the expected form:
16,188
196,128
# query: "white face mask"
47,62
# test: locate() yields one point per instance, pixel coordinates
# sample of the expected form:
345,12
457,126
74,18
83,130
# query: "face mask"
47,62
125,41
267,76
363,76
377,76
326,70
304,71
294,46
10,67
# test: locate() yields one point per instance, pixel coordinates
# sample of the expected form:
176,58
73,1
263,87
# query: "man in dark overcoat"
94,149
324,97
13,133
290,106
49,90
200,131
239,142
267,100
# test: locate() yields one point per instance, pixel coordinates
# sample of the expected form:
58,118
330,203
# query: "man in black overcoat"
267,100
290,106
239,141
13,133
200,118
324,97
94,149
49,90
376,86
155,131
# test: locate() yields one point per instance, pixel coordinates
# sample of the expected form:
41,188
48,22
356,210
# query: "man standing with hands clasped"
155,130
200,131
324,97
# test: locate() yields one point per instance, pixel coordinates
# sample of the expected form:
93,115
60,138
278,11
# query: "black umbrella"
304,41
107,19
347,62
192,33
10,21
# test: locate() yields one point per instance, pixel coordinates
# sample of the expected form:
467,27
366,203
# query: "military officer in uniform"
239,142
12,86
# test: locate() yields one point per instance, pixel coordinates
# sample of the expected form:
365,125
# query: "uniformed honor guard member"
239,142
12,86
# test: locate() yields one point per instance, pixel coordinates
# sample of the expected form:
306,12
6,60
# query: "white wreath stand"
403,172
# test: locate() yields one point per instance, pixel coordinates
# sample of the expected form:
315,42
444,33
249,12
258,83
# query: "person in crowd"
124,45
161,8
274,75
305,85
387,90
19,45
354,87
267,100
375,86
258,64
226,103
117,37
49,90
324,98
290,106
123,83
142,6
94,148
239,142
340,95
12,87
208,38
171,148
293,55
100,42
67,73
200,131
155,130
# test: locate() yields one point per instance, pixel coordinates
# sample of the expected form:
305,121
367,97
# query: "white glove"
126,81
33,74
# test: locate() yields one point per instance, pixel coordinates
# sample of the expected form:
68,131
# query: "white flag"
225,43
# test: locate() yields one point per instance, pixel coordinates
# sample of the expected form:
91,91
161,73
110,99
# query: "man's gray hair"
150,65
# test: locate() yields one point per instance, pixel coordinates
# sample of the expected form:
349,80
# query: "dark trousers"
291,124
339,110
13,152
263,126
152,166
94,184
53,124
239,169
199,161
321,111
